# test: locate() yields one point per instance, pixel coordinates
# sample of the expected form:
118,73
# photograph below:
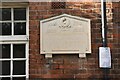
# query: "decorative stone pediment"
65,34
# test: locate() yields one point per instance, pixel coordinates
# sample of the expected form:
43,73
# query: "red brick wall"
115,71
70,66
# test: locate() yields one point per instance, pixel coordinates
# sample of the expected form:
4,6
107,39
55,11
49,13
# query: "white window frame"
17,39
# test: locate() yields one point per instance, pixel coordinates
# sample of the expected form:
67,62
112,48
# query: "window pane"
5,78
19,50
0,28
0,50
5,51
20,14
5,68
5,29
18,67
5,15
20,28
0,14
19,78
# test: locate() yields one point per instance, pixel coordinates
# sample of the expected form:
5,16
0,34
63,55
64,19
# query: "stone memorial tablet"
65,34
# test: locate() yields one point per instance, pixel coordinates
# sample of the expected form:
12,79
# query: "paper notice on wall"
104,57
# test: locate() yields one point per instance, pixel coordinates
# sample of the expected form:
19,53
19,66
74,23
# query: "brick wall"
70,66
115,71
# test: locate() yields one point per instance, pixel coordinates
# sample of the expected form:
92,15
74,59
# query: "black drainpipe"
104,23
104,35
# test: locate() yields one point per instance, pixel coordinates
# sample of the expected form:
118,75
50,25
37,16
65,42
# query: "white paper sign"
104,57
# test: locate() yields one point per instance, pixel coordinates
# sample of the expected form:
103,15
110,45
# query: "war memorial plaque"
65,34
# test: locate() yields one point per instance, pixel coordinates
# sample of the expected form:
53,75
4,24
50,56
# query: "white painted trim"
12,17
13,42
27,22
19,76
11,69
14,76
17,21
19,59
5,76
27,60
14,38
13,59
5,21
27,45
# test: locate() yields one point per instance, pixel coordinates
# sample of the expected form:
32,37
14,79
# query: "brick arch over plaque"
65,34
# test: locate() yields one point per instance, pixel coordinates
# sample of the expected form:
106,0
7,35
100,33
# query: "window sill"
14,38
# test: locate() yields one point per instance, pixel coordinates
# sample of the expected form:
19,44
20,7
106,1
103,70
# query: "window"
13,60
14,43
13,21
